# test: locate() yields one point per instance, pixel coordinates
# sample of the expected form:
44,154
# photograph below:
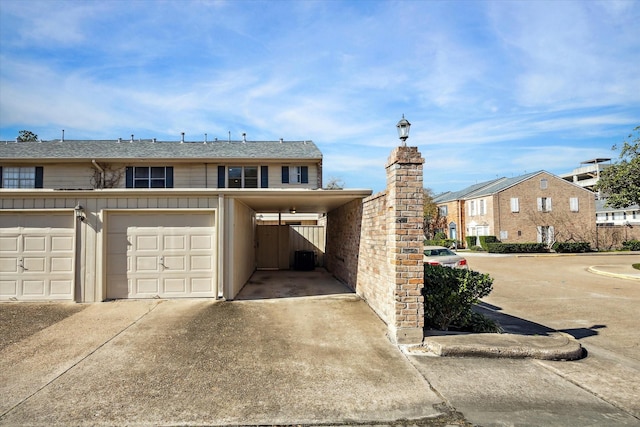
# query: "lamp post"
403,130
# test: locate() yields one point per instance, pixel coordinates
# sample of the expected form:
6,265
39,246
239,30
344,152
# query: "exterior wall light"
79,212
403,130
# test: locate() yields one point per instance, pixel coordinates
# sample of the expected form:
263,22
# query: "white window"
472,208
543,184
544,204
504,235
482,207
573,204
18,177
515,204
442,210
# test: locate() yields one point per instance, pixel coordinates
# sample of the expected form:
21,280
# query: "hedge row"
447,243
631,245
516,248
571,247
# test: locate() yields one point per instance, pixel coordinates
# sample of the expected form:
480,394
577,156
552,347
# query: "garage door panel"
174,243
9,288
175,263
201,263
61,243
170,254
150,286
35,244
64,265
146,264
9,244
33,288
34,265
146,242
8,265
202,285
175,286
61,287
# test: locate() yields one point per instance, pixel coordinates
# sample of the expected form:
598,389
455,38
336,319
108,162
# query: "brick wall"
375,246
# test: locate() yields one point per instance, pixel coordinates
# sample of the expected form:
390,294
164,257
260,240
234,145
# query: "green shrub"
470,240
486,240
481,324
476,248
516,248
449,294
631,245
571,247
440,235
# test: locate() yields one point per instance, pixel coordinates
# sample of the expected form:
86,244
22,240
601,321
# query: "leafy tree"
432,220
621,181
27,135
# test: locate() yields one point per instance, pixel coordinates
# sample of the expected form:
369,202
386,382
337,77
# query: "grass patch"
636,266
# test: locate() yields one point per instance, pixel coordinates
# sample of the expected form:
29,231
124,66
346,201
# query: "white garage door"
36,256
165,255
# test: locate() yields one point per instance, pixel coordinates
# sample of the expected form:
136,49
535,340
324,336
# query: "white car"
439,255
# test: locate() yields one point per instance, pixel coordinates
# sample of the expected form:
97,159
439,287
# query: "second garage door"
161,255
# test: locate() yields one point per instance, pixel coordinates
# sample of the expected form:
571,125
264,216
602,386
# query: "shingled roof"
484,188
149,149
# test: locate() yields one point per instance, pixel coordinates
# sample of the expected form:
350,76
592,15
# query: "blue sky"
490,88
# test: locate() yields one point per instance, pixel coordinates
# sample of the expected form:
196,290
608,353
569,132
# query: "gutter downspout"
221,237
97,166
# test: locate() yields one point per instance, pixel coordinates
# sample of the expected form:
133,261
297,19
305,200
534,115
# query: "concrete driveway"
305,360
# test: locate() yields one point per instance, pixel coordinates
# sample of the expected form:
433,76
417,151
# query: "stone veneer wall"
375,247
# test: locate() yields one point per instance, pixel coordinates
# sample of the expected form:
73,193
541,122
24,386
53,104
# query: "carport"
241,243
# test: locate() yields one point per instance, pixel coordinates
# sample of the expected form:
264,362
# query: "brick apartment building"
535,207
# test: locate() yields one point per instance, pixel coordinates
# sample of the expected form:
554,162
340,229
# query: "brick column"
405,200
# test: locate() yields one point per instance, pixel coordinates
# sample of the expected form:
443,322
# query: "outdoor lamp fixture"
403,130
79,212
292,210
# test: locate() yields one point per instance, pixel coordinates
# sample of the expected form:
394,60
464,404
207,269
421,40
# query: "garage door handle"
161,262
21,264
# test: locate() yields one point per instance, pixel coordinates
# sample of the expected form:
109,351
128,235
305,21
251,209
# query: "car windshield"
438,252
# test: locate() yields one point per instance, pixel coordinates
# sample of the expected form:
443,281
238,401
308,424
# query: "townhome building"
90,220
534,207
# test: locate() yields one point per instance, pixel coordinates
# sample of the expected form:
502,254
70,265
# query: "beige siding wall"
185,175
241,226
307,238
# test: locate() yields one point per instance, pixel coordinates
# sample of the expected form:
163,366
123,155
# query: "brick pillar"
405,200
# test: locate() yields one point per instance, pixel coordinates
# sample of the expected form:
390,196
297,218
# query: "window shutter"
539,205
39,177
515,204
221,176
264,176
285,174
551,235
168,183
574,204
304,172
0,176
548,204
539,228
129,177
